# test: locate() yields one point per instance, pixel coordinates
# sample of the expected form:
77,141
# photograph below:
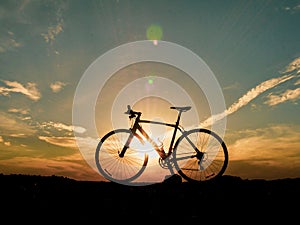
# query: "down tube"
164,124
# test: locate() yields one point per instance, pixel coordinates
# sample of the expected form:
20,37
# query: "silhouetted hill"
40,200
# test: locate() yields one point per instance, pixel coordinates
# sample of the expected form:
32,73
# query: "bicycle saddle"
181,109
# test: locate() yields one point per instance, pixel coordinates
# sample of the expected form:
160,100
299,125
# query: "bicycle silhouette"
197,154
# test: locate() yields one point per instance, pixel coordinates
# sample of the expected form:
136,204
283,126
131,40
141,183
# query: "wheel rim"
213,162
119,169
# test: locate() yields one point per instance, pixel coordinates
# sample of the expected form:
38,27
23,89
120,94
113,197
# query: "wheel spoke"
113,167
210,163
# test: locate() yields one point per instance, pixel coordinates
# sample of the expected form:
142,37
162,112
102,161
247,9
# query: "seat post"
175,130
178,118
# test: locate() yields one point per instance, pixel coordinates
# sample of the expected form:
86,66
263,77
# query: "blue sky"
252,47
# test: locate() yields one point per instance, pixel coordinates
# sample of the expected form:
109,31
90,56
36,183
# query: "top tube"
161,123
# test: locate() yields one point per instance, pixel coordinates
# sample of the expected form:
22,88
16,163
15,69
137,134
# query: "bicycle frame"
197,154
136,126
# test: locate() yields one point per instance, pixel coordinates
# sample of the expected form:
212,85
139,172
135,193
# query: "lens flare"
151,79
154,33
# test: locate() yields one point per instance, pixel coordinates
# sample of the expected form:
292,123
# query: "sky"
46,47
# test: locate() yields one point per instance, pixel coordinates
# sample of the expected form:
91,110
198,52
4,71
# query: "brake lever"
128,110
131,116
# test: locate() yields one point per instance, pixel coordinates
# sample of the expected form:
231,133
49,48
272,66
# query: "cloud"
21,114
277,145
9,43
7,143
62,127
71,142
57,86
254,92
246,98
30,90
291,71
233,86
21,111
288,95
68,142
11,126
292,9
58,26
52,32
294,66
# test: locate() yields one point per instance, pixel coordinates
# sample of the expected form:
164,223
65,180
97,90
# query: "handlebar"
131,113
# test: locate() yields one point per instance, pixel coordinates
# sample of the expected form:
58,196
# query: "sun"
157,109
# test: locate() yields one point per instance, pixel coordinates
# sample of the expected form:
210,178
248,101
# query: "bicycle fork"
126,146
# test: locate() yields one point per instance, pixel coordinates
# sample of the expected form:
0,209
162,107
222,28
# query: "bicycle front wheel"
115,168
200,155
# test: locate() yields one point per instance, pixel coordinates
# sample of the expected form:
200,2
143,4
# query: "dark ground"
58,200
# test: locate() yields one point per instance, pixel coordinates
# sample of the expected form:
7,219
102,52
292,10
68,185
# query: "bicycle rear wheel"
200,155
115,168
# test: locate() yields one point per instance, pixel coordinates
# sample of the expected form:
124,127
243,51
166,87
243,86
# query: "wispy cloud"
258,145
6,143
21,111
22,114
67,139
11,126
288,95
271,152
52,32
292,70
71,142
30,89
68,142
57,86
233,86
62,127
9,42
246,98
292,9
294,66
254,92
56,27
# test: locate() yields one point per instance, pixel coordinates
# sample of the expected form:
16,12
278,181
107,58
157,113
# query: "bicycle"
198,154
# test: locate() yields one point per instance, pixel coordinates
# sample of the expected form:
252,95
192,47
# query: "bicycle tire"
118,169
215,155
